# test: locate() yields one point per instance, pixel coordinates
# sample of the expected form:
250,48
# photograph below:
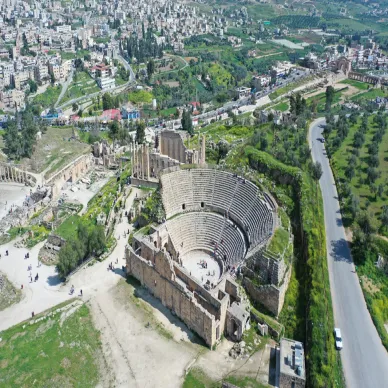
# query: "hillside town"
41,42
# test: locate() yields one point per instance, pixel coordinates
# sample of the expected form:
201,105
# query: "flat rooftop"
292,356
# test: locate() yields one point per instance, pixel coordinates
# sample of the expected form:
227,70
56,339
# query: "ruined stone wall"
287,381
160,281
232,290
171,144
159,162
70,173
268,269
270,296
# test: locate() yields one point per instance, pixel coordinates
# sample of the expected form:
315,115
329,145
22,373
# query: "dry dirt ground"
139,350
218,364
144,345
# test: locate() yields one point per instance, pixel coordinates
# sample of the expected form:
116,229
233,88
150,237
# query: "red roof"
111,114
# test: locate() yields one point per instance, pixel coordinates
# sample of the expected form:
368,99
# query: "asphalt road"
364,359
64,87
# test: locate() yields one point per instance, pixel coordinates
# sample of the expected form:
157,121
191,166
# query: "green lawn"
320,99
357,84
369,95
65,55
279,241
140,96
119,81
48,98
81,85
50,353
78,54
283,106
68,228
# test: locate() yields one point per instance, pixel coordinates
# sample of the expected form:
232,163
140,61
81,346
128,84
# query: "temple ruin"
147,162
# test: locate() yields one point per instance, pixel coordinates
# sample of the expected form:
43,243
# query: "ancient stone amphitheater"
217,212
215,221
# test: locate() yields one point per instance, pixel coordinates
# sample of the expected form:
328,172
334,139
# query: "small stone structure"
292,364
19,215
49,252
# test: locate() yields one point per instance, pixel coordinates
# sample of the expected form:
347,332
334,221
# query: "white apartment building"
63,29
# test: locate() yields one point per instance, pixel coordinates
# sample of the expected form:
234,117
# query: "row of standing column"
140,161
11,174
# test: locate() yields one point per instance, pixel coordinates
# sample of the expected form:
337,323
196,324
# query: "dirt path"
137,352
49,290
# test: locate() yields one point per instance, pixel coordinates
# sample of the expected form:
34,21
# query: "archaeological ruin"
148,163
215,222
69,174
11,173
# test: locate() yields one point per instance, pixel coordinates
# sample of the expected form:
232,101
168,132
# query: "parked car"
338,339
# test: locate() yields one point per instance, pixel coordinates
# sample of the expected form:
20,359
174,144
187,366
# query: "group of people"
203,264
72,289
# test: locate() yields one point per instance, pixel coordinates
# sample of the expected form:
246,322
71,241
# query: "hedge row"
323,368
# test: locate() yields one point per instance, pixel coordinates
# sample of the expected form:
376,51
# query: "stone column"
148,163
142,160
134,158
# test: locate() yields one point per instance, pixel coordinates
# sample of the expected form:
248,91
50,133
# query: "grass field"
279,241
48,98
78,54
357,84
196,378
81,85
55,149
58,351
369,95
283,106
68,228
320,99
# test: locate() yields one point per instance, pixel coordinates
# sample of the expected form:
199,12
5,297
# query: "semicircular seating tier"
209,232
233,197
